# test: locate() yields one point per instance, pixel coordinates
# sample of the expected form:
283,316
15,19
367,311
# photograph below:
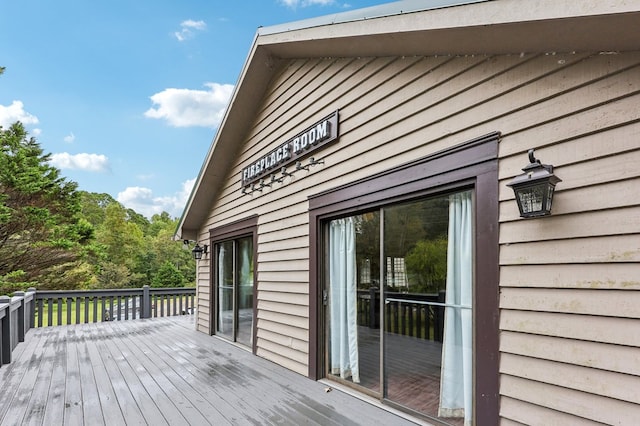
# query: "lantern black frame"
199,251
534,189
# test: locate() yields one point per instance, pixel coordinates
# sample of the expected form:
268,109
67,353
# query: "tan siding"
285,330
284,341
282,319
285,234
621,248
623,387
620,276
295,355
596,115
291,243
515,412
616,358
609,169
603,196
286,287
274,256
284,264
612,222
580,404
282,359
285,308
560,276
620,331
288,298
622,304
284,276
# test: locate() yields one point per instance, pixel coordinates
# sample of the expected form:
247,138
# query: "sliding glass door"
399,309
234,285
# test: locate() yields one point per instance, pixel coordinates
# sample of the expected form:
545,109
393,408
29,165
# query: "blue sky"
127,94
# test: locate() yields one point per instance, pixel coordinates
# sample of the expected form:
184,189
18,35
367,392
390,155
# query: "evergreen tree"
41,233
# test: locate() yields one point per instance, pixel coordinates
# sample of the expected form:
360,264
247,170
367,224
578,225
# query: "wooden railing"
33,308
416,315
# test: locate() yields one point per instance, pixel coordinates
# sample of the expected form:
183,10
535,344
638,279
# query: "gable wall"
569,283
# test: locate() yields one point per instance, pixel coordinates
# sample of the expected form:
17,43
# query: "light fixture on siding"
534,188
199,251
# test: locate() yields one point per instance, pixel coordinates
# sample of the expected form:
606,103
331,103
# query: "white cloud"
36,132
86,162
304,3
187,108
15,112
187,29
144,202
70,138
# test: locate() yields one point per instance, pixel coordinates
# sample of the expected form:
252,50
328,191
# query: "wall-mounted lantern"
199,251
534,188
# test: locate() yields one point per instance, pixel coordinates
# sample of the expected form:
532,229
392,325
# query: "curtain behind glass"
456,391
225,288
245,291
343,299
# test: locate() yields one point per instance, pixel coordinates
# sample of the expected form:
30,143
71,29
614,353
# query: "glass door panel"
225,279
353,300
415,267
245,291
425,312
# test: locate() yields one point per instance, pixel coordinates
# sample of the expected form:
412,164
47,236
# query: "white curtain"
456,383
343,299
221,283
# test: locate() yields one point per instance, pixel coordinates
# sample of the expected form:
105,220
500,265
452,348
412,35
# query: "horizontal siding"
281,276
522,413
282,319
302,334
559,275
623,387
601,249
619,331
300,346
281,357
618,276
569,282
606,357
612,222
581,405
602,196
299,287
620,304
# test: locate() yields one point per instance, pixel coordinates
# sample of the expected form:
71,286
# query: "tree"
167,276
427,265
122,239
40,229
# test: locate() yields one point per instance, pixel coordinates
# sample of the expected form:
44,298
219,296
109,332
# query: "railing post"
146,302
32,313
21,328
5,331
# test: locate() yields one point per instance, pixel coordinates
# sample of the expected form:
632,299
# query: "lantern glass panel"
531,198
550,196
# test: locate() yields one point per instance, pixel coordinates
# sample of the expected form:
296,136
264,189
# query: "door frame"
472,163
240,228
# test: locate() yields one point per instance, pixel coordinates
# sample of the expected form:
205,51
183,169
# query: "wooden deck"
161,371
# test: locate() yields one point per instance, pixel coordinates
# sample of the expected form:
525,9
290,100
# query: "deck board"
161,371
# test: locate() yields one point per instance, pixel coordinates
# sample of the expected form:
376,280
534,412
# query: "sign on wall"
310,140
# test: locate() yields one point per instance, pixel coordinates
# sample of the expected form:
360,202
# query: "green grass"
63,308
89,303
